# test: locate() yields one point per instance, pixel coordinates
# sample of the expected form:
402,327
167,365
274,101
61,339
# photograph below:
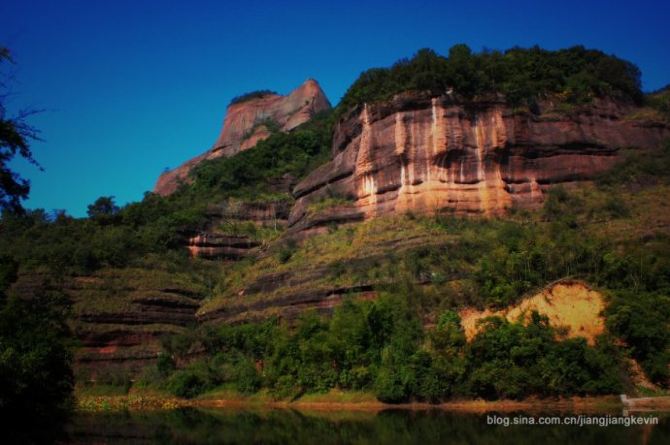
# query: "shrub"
287,250
186,384
35,355
165,365
246,377
512,360
641,320
448,336
393,385
251,95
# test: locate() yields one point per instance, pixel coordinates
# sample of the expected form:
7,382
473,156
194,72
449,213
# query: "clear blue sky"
131,87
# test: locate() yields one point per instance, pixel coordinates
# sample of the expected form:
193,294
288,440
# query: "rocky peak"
248,122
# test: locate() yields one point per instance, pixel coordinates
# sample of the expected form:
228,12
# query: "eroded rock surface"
421,154
221,239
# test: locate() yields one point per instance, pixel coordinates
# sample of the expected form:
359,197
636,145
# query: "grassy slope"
366,245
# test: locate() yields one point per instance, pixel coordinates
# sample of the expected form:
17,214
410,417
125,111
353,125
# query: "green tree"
15,135
36,378
35,355
103,207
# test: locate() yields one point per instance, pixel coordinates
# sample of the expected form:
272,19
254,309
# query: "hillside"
251,118
355,247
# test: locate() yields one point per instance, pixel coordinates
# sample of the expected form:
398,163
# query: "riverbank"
471,406
358,401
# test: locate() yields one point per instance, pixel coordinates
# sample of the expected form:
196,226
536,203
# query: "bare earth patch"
570,304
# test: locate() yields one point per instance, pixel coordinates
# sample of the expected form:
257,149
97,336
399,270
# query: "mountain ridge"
249,121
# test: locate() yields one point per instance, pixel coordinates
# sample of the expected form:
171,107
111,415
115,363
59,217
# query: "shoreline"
595,404
470,406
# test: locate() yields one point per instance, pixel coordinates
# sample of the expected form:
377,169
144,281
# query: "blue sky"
128,88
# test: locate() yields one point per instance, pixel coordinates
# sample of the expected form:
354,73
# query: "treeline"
660,100
117,237
523,75
382,347
64,244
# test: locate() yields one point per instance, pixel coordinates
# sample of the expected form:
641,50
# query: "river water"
285,426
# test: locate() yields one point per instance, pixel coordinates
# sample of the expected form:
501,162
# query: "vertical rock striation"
422,154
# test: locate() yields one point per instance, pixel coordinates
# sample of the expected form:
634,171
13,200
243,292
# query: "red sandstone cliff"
246,124
422,154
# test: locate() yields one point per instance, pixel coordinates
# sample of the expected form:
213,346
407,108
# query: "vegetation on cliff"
251,95
523,75
251,172
660,101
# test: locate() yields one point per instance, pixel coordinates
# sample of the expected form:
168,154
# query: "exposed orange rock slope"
569,304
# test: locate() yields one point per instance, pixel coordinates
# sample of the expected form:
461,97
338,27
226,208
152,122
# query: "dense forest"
382,346
524,76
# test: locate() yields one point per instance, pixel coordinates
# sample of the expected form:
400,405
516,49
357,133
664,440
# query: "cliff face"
244,125
249,122
422,154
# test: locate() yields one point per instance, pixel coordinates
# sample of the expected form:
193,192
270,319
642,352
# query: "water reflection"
187,426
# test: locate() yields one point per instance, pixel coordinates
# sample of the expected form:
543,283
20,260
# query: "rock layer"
221,240
219,246
120,315
421,154
249,122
